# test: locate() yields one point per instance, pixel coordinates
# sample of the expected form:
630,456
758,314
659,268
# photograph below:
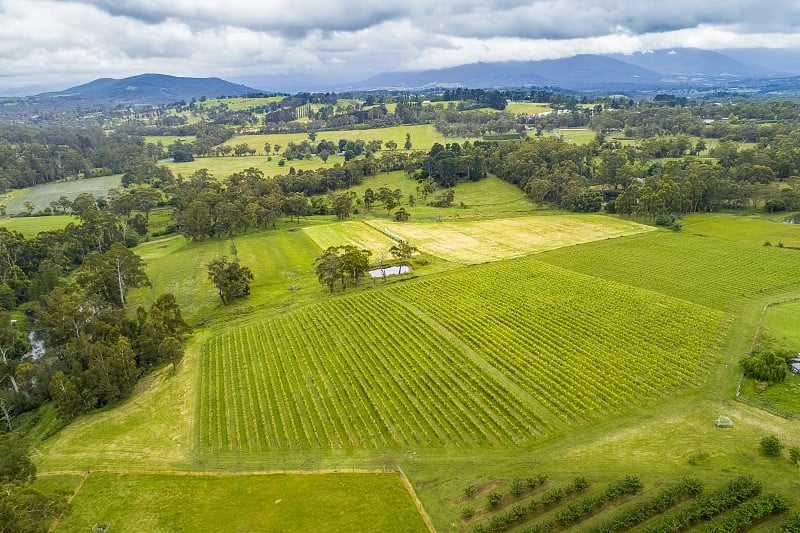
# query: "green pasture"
487,197
355,233
222,167
750,229
41,195
781,325
152,503
240,104
576,135
168,140
422,137
480,240
31,226
527,108
704,270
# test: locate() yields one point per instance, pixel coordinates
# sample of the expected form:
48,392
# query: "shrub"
766,366
794,455
470,491
518,487
665,220
495,498
467,513
771,446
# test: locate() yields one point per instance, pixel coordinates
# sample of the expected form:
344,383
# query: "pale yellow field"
478,241
353,232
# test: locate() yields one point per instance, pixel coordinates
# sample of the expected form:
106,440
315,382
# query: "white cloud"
63,42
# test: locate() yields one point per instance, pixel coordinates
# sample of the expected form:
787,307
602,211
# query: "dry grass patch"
477,241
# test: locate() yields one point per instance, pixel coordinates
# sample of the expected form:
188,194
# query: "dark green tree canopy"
231,279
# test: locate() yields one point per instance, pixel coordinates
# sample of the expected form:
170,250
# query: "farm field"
703,270
41,195
345,392
422,137
780,325
750,229
31,226
527,108
463,377
168,140
477,241
222,167
355,233
152,503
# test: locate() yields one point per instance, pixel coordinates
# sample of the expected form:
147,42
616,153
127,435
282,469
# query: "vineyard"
408,365
568,339
703,270
350,373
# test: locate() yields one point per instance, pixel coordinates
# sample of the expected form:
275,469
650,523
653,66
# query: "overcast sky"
55,44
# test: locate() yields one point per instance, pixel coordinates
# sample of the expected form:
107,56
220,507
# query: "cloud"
63,42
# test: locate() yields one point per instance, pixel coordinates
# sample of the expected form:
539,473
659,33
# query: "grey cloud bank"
56,43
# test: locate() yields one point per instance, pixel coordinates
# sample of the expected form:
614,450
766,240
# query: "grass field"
280,502
41,195
240,104
422,137
749,229
31,226
527,108
477,241
168,140
781,324
222,167
354,233
703,270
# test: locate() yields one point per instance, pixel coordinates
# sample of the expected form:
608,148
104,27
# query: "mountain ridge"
150,89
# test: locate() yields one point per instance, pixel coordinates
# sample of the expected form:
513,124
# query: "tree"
329,267
766,366
342,205
112,274
355,262
402,251
402,215
195,221
407,145
231,279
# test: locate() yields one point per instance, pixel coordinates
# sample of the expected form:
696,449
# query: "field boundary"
417,503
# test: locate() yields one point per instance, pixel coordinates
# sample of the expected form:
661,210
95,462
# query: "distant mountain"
149,89
581,71
692,62
781,61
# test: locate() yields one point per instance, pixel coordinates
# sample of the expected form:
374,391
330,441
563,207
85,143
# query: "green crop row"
579,345
322,378
656,505
704,508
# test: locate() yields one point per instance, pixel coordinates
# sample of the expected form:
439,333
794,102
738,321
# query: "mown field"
278,502
477,241
31,226
41,195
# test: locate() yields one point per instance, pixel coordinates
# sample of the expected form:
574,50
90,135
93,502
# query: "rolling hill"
149,89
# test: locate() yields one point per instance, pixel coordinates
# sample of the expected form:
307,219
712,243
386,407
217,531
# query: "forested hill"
149,89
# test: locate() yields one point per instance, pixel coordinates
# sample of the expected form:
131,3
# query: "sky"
56,44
